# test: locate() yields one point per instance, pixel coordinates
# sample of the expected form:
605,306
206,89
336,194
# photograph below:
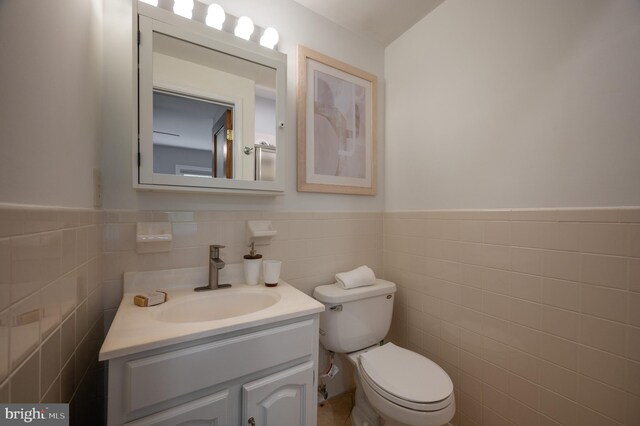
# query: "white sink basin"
216,305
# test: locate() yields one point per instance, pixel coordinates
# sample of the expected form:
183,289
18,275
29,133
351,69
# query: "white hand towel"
359,277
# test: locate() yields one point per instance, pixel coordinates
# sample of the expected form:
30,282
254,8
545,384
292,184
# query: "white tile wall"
313,246
50,301
533,313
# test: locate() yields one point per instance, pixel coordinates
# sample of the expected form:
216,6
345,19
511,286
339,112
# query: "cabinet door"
211,410
283,398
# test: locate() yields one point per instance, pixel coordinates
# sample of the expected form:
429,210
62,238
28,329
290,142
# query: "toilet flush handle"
336,308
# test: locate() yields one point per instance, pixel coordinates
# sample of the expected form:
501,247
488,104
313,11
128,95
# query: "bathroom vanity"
209,357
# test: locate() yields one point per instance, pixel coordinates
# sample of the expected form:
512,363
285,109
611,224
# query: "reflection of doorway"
223,146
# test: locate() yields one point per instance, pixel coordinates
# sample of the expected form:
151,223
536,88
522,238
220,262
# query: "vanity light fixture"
183,8
151,2
244,28
269,38
215,16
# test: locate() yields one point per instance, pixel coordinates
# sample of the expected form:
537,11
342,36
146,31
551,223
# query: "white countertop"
135,329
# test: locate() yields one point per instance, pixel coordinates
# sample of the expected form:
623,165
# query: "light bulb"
151,2
269,38
244,28
183,8
215,16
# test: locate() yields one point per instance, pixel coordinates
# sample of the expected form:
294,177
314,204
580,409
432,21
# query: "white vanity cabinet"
262,375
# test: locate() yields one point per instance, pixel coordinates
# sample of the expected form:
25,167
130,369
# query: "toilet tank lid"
332,293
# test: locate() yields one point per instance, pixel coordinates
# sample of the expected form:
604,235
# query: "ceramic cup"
271,272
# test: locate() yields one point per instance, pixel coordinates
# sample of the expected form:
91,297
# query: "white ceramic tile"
560,236
525,313
606,271
12,222
633,377
526,234
25,328
528,287
634,275
602,366
559,351
4,344
560,322
25,383
496,280
5,273
51,256
471,386
558,408
49,361
561,294
604,238
471,364
588,417
634,240
561,265
51,309
559,380
634,309
497,233
68,293
524,391
495,399
633,348
495,305
495,376
69,260
602,398
522,414
524,365
602,334
82,248
604,302
25,266
526,260
495,256
524,338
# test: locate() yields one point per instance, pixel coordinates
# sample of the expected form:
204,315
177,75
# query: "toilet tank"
356,318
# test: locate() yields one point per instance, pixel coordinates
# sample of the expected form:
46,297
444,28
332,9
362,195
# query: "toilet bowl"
394,386
405,388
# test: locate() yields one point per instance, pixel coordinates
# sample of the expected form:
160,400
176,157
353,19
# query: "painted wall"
50,77
296,25
506,104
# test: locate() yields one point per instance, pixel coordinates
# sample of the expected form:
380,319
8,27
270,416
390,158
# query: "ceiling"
382,20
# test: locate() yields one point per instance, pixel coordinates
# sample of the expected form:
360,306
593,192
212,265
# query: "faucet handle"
215,250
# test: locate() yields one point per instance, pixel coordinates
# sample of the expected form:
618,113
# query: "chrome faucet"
215,264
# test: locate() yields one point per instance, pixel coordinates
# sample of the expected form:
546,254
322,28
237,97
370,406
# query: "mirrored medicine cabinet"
211,109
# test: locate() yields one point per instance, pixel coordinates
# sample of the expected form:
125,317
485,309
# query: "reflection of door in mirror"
182,128
223,146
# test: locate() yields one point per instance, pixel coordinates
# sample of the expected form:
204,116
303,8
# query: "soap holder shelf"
260,232
153,237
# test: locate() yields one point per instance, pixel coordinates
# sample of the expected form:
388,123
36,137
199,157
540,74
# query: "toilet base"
363,413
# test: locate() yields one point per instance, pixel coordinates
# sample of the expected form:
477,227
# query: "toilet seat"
406,378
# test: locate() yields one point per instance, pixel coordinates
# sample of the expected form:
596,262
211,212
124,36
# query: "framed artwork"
336,126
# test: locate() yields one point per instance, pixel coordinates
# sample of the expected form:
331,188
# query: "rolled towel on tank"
359,277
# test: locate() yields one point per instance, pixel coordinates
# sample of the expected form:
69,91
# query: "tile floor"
336,411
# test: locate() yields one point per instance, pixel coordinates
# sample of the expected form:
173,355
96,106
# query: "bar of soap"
150,299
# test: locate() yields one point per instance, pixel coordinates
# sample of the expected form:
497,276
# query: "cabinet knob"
252,421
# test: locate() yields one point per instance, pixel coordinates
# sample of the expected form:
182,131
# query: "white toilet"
398,385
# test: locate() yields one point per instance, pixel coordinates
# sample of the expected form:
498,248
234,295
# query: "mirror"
210,108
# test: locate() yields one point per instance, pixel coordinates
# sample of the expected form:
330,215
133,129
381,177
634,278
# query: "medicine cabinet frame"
153,19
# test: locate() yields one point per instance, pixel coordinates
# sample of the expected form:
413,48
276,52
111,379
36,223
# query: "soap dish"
153,237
